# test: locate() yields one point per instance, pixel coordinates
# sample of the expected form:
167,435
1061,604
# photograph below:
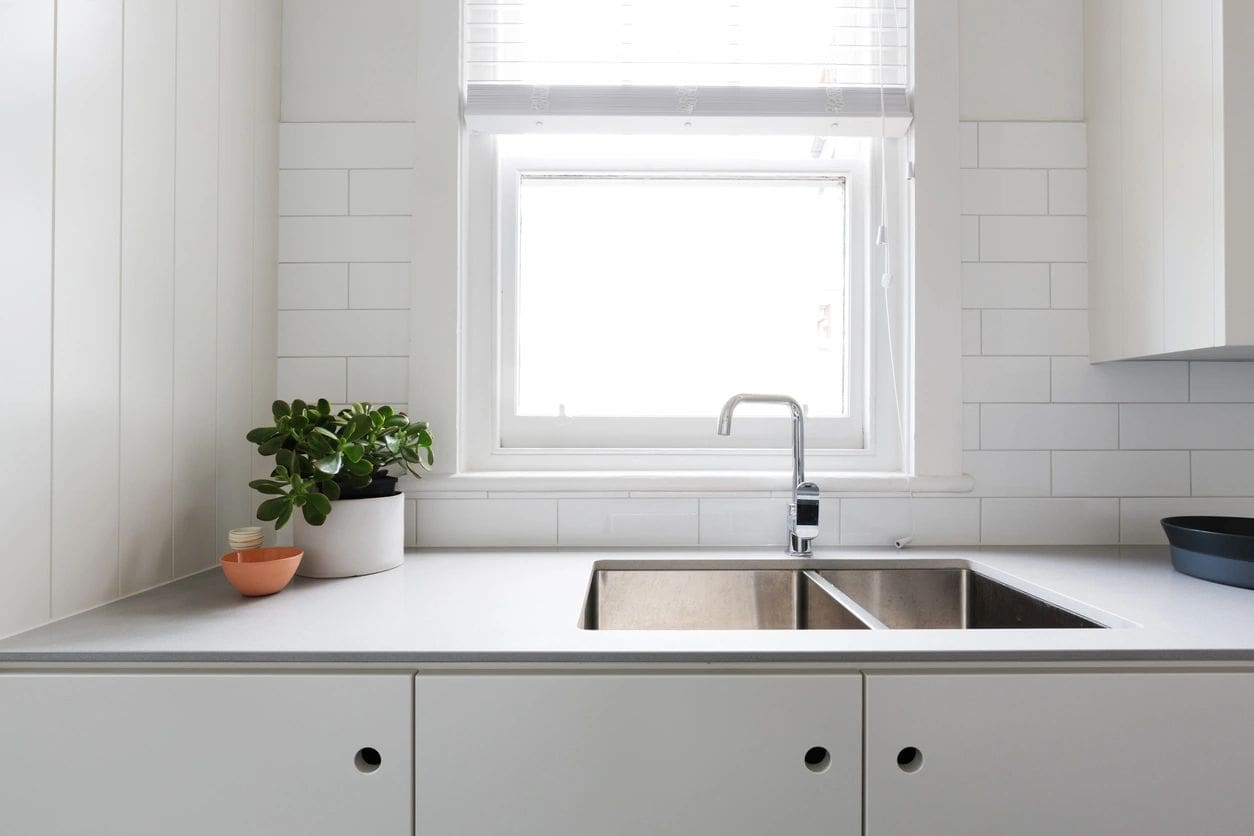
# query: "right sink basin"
953,599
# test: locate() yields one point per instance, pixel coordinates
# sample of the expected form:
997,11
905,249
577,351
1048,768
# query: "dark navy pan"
1219,549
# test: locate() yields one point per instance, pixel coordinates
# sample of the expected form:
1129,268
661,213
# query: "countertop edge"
678,657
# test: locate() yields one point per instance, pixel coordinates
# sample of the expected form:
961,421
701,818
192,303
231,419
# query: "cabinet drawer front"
205,754
1050,753
630,754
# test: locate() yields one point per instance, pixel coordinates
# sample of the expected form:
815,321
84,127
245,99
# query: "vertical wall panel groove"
235,261
147,301
85,320
195,277
27,73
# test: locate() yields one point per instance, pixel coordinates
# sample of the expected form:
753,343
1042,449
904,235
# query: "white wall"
139,154
1061,451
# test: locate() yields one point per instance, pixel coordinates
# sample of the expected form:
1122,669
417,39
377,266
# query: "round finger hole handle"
367,759
909,759
818,759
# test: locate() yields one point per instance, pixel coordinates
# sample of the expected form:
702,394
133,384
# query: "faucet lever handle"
805,513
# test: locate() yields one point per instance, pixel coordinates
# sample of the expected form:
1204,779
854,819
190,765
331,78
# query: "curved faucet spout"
804,514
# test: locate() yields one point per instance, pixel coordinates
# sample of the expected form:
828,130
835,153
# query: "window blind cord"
886,281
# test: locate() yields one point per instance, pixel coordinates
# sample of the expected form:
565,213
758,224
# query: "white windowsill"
703,482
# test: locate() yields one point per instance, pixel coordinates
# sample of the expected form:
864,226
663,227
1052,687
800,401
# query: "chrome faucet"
803,514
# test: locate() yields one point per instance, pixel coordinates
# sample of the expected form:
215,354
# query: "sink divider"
860,612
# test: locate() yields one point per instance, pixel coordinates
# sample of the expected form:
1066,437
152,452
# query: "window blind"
795,66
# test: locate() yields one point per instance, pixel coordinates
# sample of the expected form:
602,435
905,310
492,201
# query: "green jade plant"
319,453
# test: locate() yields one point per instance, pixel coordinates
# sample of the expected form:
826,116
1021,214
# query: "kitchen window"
668,204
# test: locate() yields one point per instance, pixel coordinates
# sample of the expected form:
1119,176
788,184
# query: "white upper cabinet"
1171,182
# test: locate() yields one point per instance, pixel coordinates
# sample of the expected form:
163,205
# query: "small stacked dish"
242,539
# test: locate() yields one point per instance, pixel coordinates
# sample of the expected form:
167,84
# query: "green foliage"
316,451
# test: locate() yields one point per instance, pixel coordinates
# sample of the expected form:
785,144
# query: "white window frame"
866,442
930,316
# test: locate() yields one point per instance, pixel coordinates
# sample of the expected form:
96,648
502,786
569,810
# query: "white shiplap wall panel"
146,331
233,404
86,254
195,280
26,100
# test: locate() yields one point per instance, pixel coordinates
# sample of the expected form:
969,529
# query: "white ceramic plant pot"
359,537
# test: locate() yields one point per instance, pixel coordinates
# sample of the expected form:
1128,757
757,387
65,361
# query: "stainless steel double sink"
816,595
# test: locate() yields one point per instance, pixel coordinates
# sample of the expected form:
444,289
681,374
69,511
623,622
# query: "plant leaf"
280,409
258,435
324,406
354,452
283,517
266,486
272,508
298,407
360,468
313,516
331,464
320,503
285,459
331,488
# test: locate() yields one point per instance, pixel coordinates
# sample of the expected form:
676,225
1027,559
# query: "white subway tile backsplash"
484,523
381,192
313,286
969,144
378,380
346,145
1004,192
1068,190
1069,286
1075,380
378,285
744,522
1006,379
345,239
1008,473
1032,145
1049,521
1049,426
878,521
1120,473
1199,426
1222,382
1061,452
1223,473
1033,238
627,522
310,378
343,333
313,192
993,285
1043,332
1140,519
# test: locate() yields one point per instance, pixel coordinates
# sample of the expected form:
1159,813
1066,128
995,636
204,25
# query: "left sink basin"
712,599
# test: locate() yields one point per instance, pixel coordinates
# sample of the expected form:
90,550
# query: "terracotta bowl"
261,571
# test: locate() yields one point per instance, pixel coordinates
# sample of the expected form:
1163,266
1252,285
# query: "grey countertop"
518,606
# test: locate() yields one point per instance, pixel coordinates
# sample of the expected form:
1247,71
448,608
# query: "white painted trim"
935,393
707,482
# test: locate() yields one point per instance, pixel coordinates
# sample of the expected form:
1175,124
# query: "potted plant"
333,468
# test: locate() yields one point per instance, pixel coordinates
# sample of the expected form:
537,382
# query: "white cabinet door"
572,755
1052,753
189,754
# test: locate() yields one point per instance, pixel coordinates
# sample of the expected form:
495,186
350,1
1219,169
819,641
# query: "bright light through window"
644,295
